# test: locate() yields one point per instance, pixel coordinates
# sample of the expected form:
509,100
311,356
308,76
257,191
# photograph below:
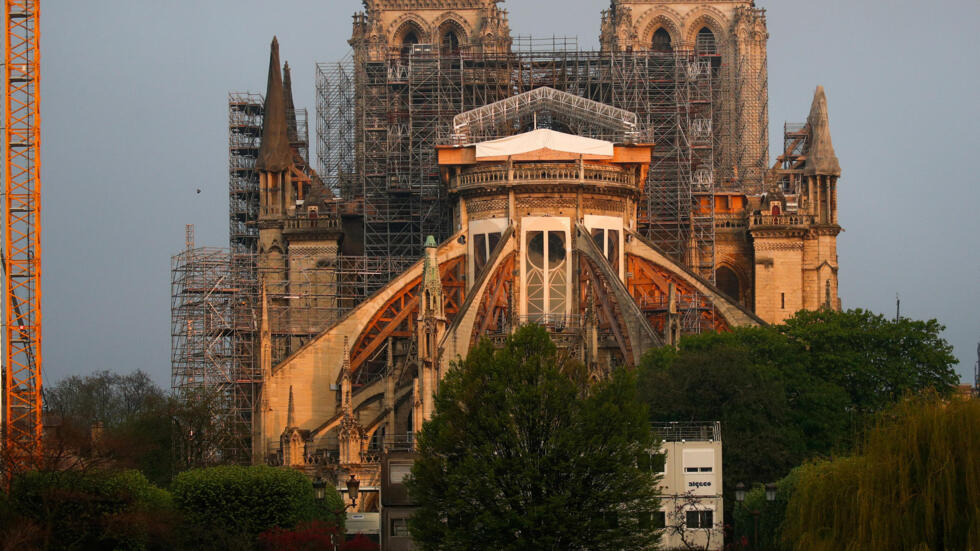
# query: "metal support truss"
599,120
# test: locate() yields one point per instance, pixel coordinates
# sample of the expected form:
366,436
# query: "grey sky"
134,107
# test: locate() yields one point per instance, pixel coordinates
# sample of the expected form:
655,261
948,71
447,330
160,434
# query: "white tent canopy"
544,139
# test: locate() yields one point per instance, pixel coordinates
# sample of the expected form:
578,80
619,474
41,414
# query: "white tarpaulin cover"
544,139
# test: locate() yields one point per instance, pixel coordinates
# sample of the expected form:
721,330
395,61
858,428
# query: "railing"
729,221
371,456
322,457
693,431
557,173
554,323
303,224
319,457
684,302
565,331
780,220
400,442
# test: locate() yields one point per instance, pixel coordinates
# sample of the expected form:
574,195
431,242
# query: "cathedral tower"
729,34
397,27
795,241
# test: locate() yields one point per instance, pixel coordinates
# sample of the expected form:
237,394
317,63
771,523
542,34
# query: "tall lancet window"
607,234
450,42
706,43
661,41
546,267
408,42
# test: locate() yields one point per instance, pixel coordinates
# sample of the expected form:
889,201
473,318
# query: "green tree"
790,392
914,485
105,397
522,454
725,381
874,359
134,416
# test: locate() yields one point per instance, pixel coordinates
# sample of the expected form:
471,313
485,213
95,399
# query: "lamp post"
770,492
353,486
740,498
319,488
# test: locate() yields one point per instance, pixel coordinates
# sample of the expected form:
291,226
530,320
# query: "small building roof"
544,140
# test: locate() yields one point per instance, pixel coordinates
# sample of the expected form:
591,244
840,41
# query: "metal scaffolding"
381,116
216,312
205,357
749,102
245,112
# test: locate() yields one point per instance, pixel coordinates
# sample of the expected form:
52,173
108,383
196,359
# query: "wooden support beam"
373,345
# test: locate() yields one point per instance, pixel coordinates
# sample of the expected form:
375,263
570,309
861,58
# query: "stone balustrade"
781,220
550,173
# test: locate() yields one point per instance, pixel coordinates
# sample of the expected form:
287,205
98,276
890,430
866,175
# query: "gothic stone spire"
821,158
274,154
291,411
287,85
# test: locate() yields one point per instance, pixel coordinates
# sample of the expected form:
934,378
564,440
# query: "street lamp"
353,485
319,488
740,492
770,492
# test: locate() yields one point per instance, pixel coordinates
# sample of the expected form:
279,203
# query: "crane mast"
22,404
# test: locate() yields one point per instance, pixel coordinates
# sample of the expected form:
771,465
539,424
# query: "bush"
331,510
244,500
77,510
312,536
360,543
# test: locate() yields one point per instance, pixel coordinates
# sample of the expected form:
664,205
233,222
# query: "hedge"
79,510
246,500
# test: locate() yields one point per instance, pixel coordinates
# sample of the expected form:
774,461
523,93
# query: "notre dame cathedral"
469,181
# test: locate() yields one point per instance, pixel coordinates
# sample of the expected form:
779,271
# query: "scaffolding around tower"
207,363
381,115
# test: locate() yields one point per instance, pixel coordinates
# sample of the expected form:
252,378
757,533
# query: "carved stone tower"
796,249
295,241
397,27
273,164
729,34
431,328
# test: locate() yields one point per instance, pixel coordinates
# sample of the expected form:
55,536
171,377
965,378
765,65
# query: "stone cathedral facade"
547,225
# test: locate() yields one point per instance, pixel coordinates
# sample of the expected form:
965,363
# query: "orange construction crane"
22,405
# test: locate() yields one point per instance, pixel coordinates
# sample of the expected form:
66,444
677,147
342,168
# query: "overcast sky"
135,121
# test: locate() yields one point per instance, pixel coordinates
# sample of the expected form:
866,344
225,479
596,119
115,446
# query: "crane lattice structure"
22,404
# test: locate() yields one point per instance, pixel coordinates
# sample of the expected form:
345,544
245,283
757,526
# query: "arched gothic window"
661,41
546,275
727,280
706,43
449,44
409,41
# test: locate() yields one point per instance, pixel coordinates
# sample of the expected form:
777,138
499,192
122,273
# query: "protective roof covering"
586,117
544,139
